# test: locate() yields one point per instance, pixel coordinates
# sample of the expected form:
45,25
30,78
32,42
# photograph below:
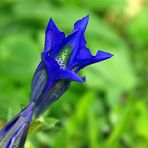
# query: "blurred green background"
110,110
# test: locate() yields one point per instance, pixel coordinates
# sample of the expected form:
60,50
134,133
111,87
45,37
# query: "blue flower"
14,134
63,57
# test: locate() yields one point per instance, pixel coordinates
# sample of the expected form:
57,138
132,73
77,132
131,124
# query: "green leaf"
42,123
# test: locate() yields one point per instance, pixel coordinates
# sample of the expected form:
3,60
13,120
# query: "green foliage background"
110,110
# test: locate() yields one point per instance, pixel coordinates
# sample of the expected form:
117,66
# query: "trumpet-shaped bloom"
63,57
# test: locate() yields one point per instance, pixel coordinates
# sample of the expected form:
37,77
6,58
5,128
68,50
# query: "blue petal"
71,38
52,67
54,37
89,59
79,41
82,24
84,54
56,73
70,75
63,54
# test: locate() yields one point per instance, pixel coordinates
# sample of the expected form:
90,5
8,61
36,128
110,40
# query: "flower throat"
64,56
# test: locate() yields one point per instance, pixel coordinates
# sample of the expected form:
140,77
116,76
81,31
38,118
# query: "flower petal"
81,24
51,65
84,54
79,41
56,73
100,56
70,75
54,37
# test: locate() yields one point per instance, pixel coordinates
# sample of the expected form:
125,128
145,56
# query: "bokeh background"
110,110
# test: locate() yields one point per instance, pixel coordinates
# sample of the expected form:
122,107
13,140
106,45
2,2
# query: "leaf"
42,123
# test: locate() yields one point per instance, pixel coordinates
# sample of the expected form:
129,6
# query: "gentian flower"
14,134
63,57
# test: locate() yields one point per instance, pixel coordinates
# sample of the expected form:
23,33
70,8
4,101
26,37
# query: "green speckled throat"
64,56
